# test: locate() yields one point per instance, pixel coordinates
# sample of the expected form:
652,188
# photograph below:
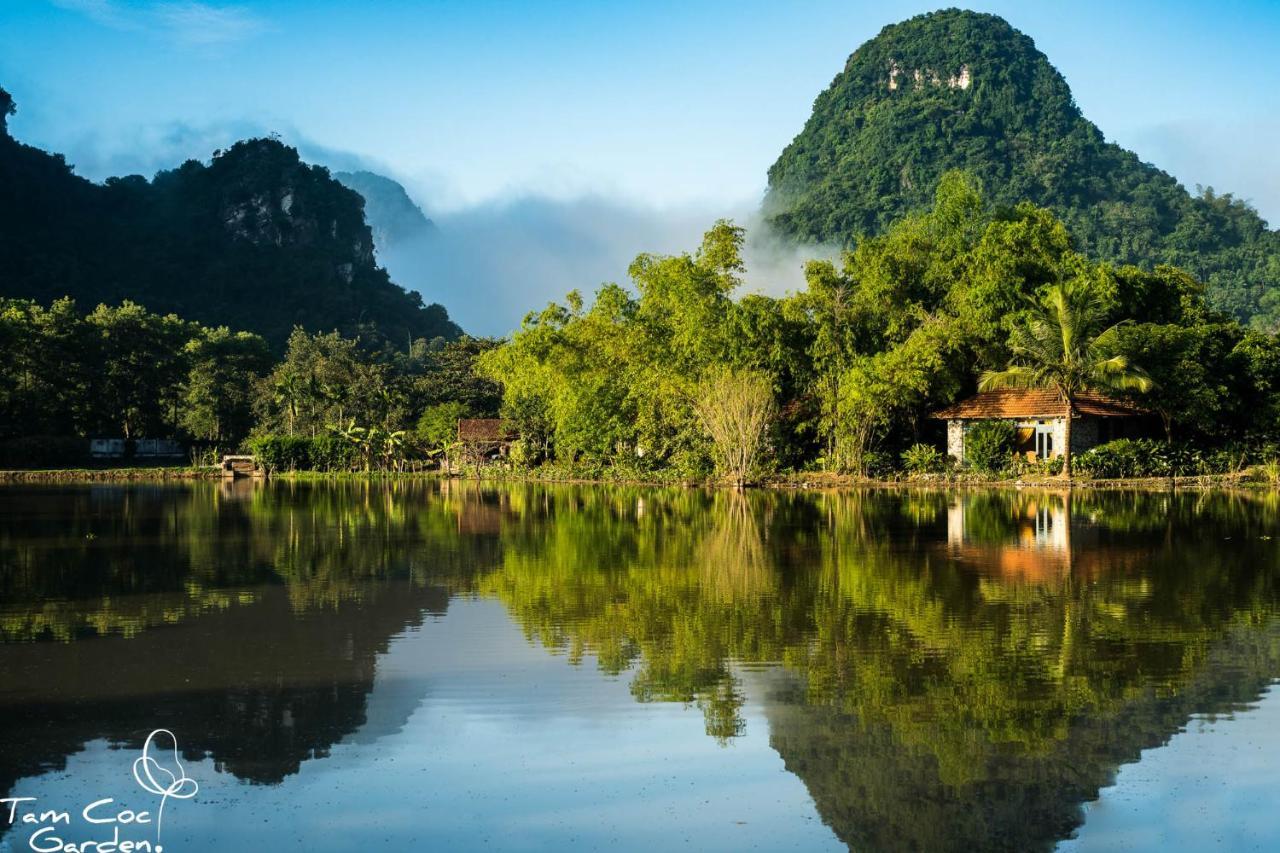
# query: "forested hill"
255,240
961,90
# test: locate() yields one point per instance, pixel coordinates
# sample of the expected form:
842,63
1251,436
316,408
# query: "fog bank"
492,264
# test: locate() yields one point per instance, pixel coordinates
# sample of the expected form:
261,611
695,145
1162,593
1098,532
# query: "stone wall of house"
1059,435
1084,434
955,440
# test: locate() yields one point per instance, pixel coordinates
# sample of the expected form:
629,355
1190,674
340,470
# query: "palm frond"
1014,376
1112,366
1107,339
1060,314
1057,345
1130,380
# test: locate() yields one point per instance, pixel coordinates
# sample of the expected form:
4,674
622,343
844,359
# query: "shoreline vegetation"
680,378
1254,478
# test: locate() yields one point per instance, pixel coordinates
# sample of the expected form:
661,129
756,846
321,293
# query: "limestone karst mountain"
961,90
255,239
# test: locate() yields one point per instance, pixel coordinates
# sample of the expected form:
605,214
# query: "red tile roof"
1016,403
484,429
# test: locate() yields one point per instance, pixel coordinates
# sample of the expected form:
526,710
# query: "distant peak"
390,212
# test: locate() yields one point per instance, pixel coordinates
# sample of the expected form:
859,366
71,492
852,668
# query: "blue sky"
676,109
661,103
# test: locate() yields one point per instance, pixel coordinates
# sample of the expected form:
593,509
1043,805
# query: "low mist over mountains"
255,240
962,90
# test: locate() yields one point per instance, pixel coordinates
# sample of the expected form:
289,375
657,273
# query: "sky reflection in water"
451,665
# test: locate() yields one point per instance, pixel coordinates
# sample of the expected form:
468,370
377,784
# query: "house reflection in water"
1018,536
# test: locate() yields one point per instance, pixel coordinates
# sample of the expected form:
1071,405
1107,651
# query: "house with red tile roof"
1040,419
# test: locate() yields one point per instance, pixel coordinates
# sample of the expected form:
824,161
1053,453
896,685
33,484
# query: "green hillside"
961,90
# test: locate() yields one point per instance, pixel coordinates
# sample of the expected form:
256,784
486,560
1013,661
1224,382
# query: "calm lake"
451,666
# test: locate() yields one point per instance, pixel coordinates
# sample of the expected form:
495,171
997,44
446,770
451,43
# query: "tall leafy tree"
144,363
217,401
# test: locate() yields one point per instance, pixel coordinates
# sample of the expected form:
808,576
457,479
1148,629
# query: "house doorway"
1044,440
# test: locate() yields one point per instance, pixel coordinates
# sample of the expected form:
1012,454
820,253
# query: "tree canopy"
678,375
902,325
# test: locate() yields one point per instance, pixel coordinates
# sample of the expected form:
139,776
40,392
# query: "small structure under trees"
241,466
1040,418
484,438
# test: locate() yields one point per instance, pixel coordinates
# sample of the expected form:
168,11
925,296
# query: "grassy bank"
79,475
1253,478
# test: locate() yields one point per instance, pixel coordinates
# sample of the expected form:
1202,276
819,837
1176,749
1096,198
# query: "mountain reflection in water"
940,670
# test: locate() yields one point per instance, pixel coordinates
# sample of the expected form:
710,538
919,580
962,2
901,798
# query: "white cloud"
105,12
200,23
184,23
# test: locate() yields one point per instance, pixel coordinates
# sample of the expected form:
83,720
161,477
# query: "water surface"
449,666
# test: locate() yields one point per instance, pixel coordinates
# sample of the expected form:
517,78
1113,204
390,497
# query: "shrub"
331,453
1224,460
520,454
1123,457
300,453
923,459
1022,467
1144,457
877,465
281,452
438,426
988,445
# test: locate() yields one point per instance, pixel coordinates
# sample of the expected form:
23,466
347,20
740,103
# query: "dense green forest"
255,240
680,377
962,90
124,371
842,375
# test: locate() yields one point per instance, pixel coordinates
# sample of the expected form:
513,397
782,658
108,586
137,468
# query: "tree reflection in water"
961,670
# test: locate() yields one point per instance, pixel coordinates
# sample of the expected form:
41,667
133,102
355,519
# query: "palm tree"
1061,345
318,396
357,435
393,444
288,392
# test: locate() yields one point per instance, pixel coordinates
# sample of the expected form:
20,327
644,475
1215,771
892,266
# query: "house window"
1044,440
